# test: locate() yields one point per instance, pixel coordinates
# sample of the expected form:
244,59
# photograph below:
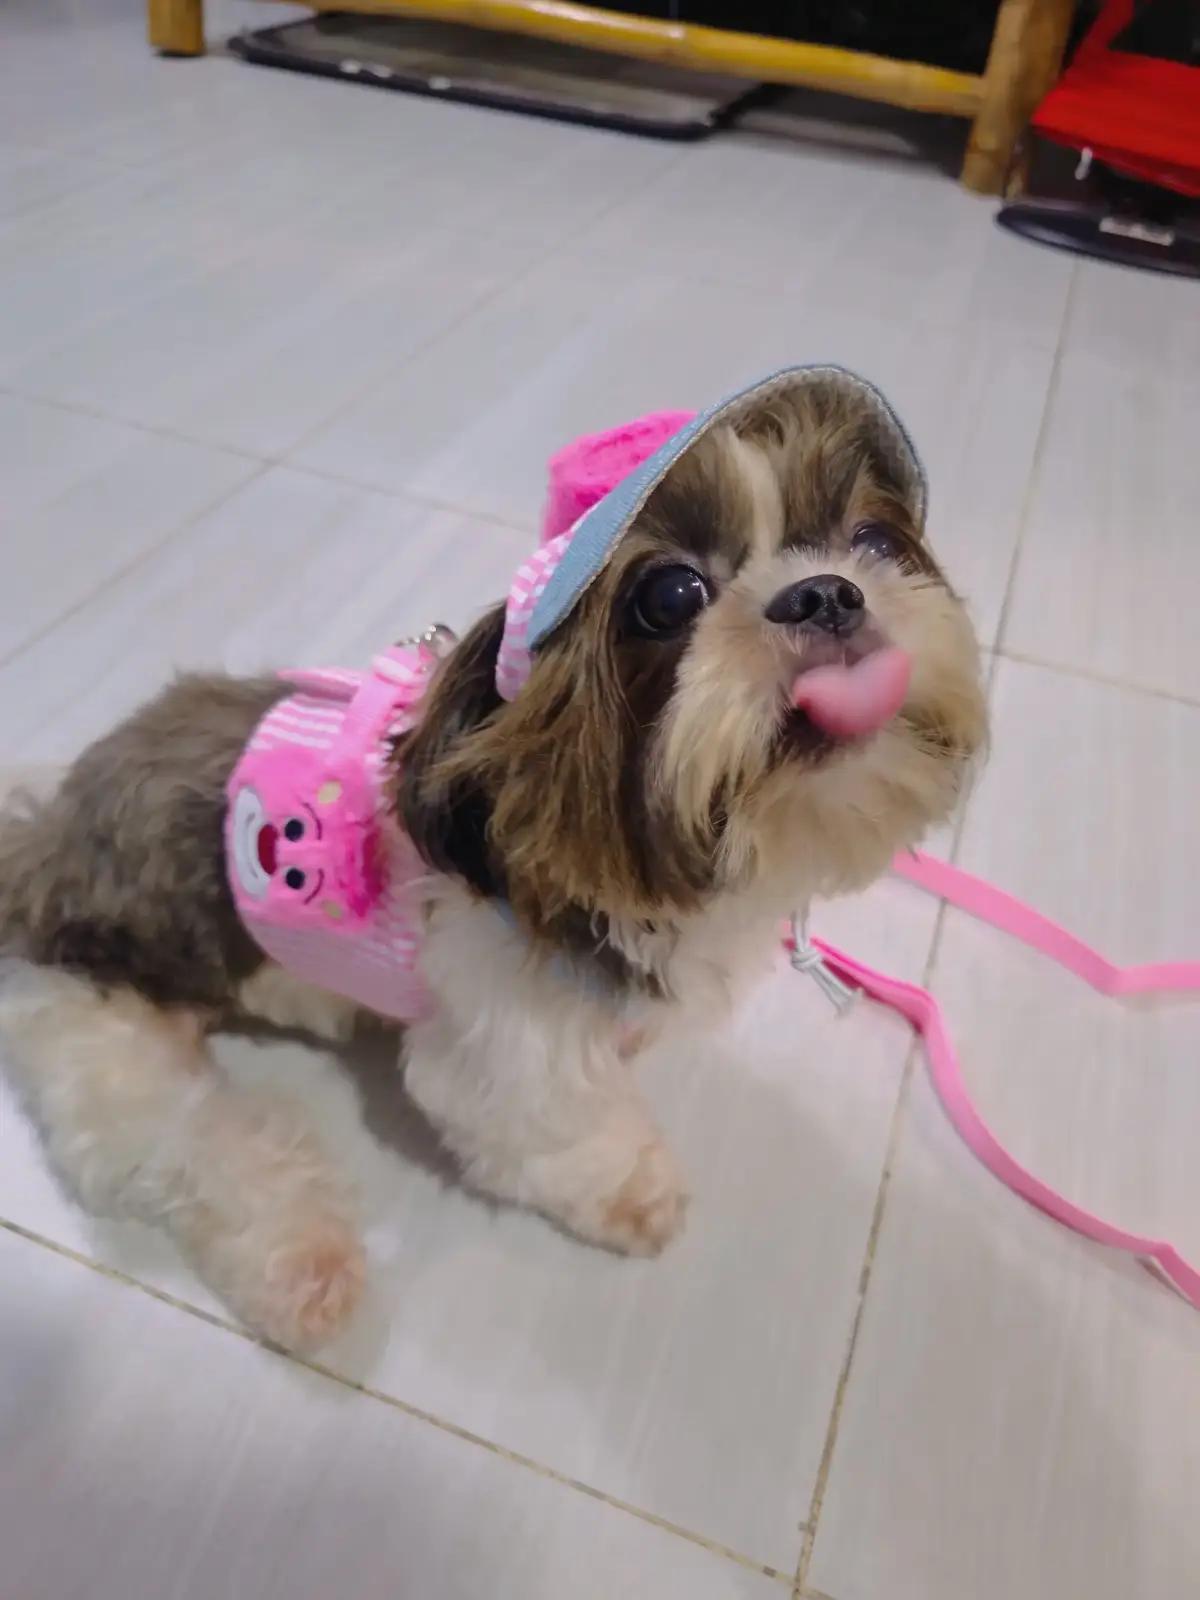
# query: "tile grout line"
1035,466
173,532
412,496
425,347
322,474
801,1590
1091,675
825,1465
154,430
404,1407
564,248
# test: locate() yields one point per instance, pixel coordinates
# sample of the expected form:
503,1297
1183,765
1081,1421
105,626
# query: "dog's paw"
314,1285
301,1288
649,1208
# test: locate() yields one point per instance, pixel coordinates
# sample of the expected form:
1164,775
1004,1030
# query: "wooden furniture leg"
1023,64
176,27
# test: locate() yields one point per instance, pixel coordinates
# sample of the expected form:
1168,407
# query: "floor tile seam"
1108,680
325,475
441,229
153,430
405,1408
895,1136
925,321
442,335
124,569
1036,463
411,496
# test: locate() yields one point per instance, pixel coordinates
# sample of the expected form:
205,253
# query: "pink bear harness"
322,886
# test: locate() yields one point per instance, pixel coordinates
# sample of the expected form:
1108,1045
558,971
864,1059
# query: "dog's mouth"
845,689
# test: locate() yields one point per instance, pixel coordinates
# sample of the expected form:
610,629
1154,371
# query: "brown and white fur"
648,807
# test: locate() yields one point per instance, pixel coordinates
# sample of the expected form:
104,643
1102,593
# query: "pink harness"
322,887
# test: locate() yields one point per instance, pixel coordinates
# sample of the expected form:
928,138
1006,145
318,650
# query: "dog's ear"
543,802
446,813
574,824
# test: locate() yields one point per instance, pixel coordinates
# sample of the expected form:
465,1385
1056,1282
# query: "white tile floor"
280,364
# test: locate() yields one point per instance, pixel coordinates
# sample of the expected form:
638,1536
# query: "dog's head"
654,757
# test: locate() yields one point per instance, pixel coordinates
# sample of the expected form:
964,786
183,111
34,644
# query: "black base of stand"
1111,218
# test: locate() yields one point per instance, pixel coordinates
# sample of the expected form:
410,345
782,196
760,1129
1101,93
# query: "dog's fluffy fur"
649,807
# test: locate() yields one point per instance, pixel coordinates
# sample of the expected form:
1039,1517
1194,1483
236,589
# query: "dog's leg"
523,1077
273,995
141,1123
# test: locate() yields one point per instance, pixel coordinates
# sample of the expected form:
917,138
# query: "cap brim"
600,530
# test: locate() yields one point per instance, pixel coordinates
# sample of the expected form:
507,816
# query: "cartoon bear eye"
293,829
294,878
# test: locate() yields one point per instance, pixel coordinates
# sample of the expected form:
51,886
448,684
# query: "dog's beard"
764,792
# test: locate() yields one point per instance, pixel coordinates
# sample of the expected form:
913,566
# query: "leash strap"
918,1007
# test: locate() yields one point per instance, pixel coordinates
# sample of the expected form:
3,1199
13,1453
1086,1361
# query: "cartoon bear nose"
266,846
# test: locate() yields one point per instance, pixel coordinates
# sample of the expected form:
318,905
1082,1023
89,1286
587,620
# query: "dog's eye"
667,599
878,542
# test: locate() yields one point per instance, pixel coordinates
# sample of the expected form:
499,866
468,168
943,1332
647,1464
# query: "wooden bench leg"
1023,64
176,27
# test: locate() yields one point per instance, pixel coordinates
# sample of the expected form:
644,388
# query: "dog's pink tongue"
850,701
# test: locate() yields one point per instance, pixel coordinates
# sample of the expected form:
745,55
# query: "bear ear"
440,803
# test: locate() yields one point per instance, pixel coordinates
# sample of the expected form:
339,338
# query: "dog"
608,829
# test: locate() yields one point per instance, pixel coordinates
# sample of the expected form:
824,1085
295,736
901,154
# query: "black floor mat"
501,70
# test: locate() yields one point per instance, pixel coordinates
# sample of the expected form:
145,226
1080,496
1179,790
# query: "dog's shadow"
371,1061
352,1089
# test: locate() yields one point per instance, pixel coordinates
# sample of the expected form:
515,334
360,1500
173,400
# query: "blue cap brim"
600,530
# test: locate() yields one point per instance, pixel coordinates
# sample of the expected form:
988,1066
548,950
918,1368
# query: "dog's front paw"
648,1209
314,1286
300,1287
637,1213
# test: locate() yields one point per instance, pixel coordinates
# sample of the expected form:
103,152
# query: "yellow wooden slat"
745,55
1023,66
176,27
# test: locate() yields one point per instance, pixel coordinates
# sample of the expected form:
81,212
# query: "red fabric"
1135,114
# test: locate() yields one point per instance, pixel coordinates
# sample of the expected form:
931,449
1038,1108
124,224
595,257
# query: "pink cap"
585,471
580,475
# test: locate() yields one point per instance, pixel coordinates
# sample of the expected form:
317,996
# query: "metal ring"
437,638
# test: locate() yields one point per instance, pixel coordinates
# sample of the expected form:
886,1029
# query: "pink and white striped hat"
599,484
581,475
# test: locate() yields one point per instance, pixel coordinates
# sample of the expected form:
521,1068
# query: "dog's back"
119,874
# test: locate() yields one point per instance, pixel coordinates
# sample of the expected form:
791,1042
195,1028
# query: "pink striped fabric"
323,886
581,475
513,662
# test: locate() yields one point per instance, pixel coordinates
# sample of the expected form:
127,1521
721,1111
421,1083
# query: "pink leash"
1011,916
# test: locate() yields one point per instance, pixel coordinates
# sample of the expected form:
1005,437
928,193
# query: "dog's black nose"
826,603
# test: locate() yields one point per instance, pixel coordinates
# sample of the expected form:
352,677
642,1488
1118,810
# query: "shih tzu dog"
738,682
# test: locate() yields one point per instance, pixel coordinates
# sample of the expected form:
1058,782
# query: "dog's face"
655,758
